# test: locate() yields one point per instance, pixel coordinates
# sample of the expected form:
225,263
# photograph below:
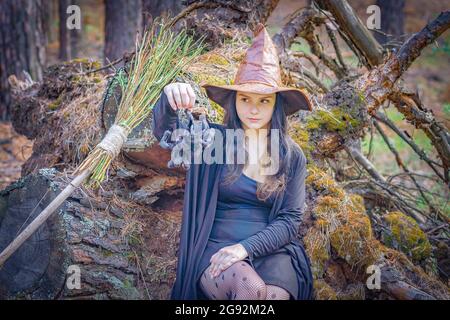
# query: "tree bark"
352,26
392,20
123,19
220,20
22,44
155,8
87,236
69,38
50,17
65,52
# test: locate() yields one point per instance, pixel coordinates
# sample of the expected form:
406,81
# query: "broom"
158,59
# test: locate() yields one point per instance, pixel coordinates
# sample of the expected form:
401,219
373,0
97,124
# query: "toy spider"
194,130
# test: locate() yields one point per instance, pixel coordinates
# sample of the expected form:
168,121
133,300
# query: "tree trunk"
392,20
51,17
123,19
93,240
65,53
75,41
68,39
220,20
155,8
22,44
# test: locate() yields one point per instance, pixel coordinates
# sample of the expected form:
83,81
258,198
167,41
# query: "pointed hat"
260,72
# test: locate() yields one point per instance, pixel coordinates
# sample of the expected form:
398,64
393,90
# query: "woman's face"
255,110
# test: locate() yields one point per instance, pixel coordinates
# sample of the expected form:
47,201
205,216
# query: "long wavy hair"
275,183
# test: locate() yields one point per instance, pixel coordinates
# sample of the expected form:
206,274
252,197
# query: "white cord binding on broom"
114,139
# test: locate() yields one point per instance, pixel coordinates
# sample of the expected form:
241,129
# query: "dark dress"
239,215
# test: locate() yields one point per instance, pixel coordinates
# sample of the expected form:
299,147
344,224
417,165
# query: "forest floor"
14,151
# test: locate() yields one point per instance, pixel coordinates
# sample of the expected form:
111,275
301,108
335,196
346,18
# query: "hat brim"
296,99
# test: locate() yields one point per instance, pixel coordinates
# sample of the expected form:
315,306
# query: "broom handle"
42,217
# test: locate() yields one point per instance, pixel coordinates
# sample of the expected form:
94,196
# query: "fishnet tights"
276,293
240,282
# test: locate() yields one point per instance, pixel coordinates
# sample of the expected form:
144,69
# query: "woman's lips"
253,119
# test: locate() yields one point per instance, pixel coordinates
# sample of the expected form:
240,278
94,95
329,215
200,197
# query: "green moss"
213,80
301,137
361,97
107,253
232,41
79,78
87,64
316,245
323,291
209,79
76,78
352,292
124,286
344,223
358,202
55,104
134,240
404,234
322,182
238,56
351,242
341,228
334,120
328,203
214,58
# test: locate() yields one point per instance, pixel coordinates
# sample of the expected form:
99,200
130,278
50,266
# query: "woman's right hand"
180,95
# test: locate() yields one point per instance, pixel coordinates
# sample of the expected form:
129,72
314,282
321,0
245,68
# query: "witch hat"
260,72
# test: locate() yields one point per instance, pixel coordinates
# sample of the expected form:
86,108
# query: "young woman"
239,228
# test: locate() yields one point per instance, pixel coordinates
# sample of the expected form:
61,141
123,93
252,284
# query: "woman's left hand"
225,257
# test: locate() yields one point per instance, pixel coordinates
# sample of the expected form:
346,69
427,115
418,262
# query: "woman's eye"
265,101
244,99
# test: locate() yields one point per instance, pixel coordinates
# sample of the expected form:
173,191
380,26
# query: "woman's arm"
164,117
284,227
176,95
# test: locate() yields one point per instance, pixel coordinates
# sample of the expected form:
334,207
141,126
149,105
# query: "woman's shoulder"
298,159
298,156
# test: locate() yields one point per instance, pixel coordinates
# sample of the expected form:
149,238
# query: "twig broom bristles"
152,68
